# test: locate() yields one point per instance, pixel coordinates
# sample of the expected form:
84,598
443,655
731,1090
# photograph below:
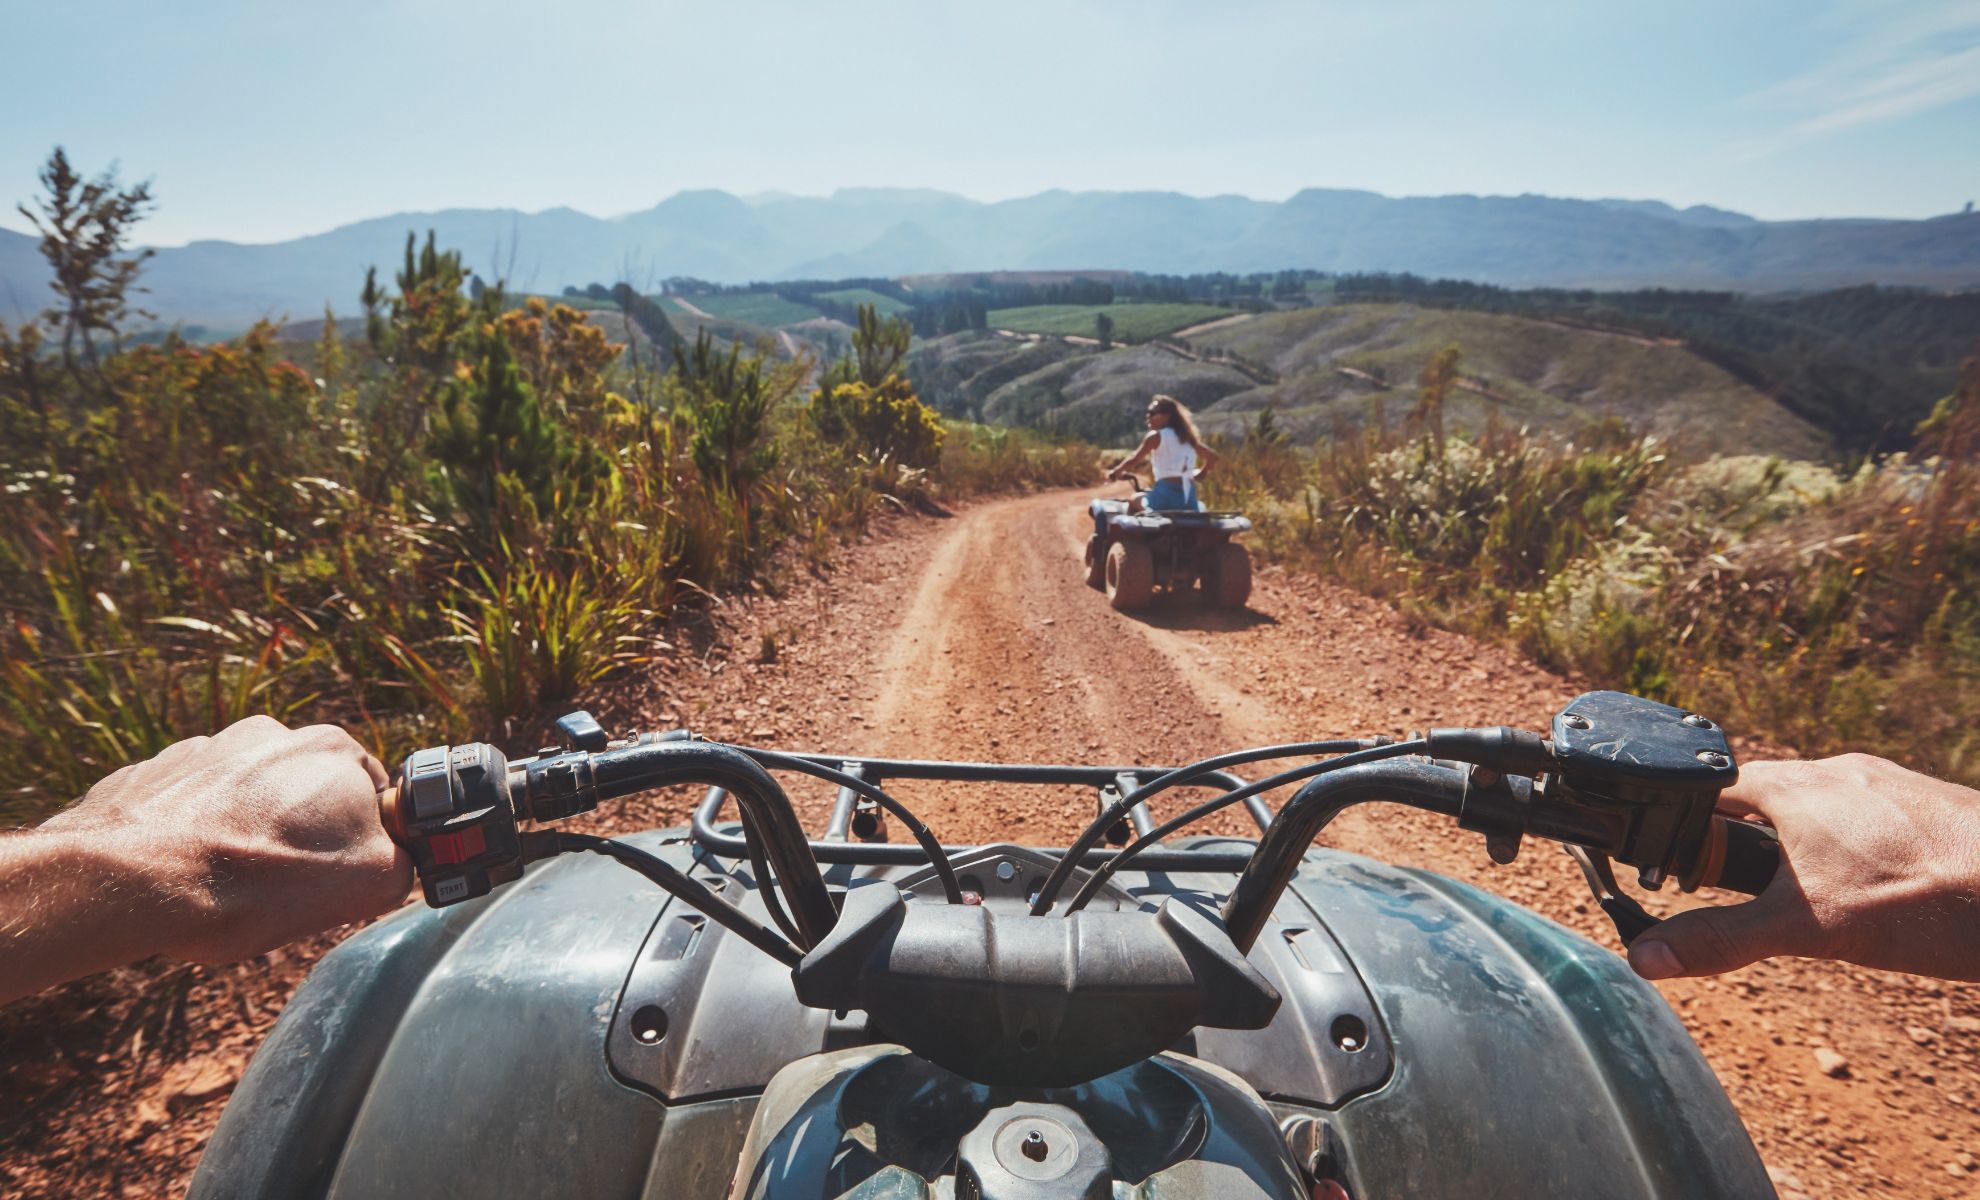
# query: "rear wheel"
1130,575
1096,563
1227,583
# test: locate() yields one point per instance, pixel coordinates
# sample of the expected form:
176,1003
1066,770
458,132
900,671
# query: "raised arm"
1139,456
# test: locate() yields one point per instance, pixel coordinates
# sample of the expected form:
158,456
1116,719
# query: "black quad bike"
1129,555
754,1014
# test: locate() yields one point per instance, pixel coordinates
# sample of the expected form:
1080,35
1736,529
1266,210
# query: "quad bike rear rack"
1157,519
854,832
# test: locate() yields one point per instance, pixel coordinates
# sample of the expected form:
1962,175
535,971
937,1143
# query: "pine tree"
83,227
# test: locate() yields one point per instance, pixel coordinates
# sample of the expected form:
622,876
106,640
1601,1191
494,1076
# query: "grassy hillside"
1332,362
1866,364
1354,363
754,308
1071,389
887,306
1132,322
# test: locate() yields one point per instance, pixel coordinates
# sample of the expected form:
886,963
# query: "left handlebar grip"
451,811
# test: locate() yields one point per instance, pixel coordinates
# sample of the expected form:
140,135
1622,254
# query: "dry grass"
1823,612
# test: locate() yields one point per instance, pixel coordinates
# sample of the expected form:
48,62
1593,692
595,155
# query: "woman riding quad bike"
1172,448
1181,1017
1163,538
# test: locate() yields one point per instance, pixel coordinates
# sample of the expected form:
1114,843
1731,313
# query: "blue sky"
261,121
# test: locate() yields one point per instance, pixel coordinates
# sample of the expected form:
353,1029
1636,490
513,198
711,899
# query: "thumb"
1710,941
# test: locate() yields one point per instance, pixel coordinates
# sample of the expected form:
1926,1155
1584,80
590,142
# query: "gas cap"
1031,1152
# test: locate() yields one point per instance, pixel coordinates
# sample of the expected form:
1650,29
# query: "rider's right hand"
1880,866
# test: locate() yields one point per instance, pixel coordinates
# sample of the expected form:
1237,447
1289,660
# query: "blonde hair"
1179,419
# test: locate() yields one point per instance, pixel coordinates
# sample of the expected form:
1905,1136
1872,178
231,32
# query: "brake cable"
925,837
681,885
1088,838
1105,871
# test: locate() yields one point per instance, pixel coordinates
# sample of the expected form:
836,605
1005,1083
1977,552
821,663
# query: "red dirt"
975,638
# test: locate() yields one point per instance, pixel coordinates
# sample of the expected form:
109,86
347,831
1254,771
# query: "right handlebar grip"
1751,858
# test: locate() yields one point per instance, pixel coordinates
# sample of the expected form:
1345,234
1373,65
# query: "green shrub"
884,421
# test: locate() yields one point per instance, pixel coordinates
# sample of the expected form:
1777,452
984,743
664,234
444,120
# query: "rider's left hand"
217,849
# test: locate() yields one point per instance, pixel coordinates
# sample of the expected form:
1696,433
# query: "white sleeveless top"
1173,457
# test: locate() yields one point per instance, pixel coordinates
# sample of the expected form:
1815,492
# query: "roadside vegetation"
1827,609
445,529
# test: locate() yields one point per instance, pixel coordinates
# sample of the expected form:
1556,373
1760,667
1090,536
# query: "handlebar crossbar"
831,848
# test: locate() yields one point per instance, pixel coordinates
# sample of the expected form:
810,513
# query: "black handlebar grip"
1751,858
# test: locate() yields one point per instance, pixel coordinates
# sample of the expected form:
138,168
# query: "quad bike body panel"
579,1033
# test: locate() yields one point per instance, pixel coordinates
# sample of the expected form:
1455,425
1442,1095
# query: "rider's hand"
217,849
1880,866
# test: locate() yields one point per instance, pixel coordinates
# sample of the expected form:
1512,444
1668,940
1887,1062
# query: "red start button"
450,848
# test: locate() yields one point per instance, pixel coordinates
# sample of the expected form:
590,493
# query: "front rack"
1109,783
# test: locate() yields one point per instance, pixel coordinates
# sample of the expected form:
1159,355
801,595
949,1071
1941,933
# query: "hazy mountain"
1697,214
1513,240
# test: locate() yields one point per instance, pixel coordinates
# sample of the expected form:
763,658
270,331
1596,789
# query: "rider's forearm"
74,902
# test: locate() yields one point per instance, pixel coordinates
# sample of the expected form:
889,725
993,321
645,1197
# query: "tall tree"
84,225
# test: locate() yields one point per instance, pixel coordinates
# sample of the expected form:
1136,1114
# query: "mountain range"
869,232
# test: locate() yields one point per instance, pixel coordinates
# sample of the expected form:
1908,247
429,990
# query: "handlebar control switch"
1653,771
453,816
581,731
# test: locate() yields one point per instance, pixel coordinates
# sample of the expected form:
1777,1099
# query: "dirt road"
976,638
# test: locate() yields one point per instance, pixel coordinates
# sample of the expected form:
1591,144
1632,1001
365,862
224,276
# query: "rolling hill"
1352,362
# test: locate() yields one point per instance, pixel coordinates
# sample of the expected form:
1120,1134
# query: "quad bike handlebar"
1616,779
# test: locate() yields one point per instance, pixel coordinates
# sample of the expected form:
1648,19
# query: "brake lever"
1630,918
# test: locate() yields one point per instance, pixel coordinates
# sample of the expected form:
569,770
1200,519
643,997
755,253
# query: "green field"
886,306
754,308
1132,322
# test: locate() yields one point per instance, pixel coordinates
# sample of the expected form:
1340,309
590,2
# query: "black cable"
1106,870
689,890
930,844
770,888
1054,882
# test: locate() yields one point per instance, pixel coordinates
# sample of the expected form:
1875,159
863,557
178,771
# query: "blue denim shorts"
1170,494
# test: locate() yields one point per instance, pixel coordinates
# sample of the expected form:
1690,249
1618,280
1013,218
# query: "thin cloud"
1893,67
1917,87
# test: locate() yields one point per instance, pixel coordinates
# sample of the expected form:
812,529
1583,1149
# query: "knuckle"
329,737
260,725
